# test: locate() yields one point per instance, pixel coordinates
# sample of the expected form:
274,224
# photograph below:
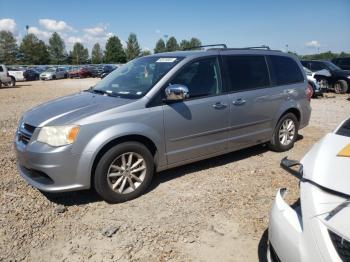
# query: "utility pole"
27,28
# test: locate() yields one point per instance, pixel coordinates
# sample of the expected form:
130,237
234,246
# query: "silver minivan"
161,111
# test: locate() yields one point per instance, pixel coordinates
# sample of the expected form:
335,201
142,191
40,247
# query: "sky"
304,27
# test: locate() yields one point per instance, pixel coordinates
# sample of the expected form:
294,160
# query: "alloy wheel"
286,132
126,173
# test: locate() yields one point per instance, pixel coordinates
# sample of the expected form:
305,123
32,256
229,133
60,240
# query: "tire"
13,82
66,76
276,143
53,77
340,87
104,184
323,82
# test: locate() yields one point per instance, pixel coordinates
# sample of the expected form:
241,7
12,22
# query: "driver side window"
202,78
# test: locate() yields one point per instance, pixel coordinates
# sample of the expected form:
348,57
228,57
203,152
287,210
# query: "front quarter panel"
147,122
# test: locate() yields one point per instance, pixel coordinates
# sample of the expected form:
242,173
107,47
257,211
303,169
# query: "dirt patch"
215,209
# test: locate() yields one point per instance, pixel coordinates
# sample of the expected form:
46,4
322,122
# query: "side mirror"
176,92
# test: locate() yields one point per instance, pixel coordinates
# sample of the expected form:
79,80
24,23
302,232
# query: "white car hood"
322,165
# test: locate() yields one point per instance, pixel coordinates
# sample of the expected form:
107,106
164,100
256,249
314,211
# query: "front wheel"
285,134
124,172
324,85
341,87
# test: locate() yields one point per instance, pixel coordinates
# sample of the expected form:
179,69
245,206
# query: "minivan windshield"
134,79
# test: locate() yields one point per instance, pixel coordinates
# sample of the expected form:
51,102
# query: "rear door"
253,102
198,126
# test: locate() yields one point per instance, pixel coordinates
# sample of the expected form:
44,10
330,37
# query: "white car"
313,82
317,227
54,73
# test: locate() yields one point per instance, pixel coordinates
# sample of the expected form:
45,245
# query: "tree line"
33,51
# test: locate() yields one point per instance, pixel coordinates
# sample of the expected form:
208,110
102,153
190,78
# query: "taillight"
309,92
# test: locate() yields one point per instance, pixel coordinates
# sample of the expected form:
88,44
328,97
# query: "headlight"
348,77
58,135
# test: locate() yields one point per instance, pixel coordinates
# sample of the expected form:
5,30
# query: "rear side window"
284,70
246,72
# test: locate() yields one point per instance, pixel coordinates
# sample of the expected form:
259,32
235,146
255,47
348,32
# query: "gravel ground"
213,210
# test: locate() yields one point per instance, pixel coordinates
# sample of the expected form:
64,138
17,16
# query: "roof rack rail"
258,47
244,48
202,46
224,46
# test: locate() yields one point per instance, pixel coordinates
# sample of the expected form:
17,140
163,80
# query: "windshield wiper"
337,209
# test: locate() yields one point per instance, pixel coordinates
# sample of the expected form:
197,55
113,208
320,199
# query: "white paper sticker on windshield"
166,60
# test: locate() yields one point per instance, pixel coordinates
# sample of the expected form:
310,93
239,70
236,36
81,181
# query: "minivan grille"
25,133
341,245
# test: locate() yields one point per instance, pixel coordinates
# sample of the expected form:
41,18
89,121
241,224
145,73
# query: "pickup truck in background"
17,73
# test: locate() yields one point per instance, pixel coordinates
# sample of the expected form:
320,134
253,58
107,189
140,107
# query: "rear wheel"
12,82
124,172
341,87
285,134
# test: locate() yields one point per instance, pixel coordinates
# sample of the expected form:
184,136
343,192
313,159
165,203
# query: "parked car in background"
317,91
31,74
95,70
161,111
74,72
81,72
5,78
342,62
317,226
54,73
106,70
329,75
17,73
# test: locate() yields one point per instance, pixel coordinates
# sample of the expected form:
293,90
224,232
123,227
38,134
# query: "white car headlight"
58,135
348,77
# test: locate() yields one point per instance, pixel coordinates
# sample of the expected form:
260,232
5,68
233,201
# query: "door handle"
219,105
239,101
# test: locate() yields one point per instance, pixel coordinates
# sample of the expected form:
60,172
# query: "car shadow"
262,247
82,197
16,86
176,172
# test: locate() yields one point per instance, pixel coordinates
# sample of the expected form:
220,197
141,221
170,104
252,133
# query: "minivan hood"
323,166
68,109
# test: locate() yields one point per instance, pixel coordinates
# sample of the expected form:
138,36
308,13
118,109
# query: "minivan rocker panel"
123,133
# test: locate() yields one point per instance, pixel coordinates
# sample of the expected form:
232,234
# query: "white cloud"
8,24
97,31
313,44
54,25
44,35
158,31
74,39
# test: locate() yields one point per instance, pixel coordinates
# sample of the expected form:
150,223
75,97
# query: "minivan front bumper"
50,169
